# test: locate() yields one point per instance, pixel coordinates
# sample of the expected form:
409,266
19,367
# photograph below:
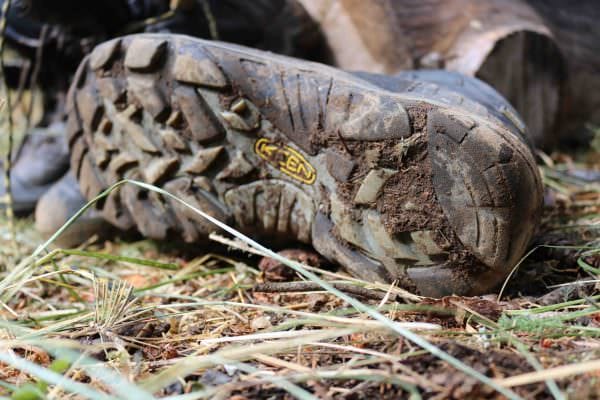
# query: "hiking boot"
42,159
424,187
58,205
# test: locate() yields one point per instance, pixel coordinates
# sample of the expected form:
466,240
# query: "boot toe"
60,203
489,188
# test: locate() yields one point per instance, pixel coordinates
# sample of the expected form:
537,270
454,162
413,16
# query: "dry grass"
144,320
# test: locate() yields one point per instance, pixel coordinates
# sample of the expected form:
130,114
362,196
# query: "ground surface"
124,316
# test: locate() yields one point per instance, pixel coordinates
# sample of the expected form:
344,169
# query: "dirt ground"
174,321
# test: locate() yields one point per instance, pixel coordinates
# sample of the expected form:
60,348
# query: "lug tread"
184,114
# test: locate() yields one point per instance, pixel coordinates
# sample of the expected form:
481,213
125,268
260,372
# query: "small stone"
338,166
262,322
213,377
345,221
372,184
230,369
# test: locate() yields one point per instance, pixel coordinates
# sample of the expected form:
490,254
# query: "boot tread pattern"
231,132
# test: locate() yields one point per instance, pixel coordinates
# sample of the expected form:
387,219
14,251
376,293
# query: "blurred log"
504,42
576,26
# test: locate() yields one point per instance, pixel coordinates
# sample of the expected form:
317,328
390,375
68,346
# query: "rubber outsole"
393,186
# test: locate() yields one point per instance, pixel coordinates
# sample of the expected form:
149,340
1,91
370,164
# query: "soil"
493,362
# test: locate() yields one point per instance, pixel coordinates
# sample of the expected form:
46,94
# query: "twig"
141,25
237,244
339,134
302,286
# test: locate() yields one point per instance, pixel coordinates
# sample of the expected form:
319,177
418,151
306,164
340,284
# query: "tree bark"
576,26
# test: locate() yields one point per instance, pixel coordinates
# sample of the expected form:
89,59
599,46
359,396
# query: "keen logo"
286,159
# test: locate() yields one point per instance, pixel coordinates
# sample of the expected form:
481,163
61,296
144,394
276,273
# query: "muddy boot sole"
393,186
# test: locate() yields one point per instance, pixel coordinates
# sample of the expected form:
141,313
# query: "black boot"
281,26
